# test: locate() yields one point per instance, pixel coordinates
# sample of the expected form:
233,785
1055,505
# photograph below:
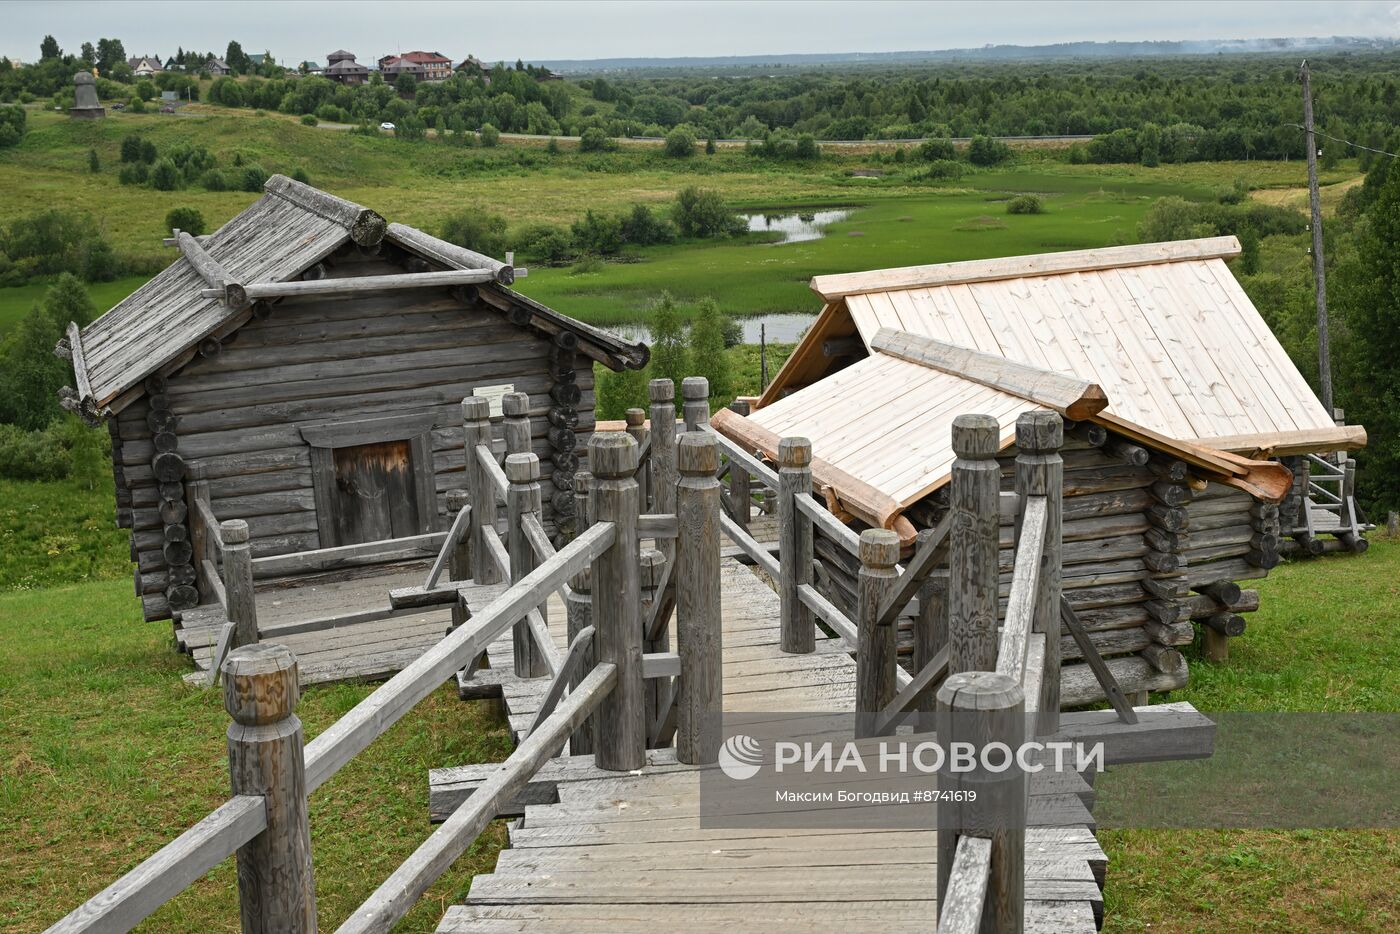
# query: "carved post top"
456,499
613,455
233,532
976,437
476,409
635,418
260,684
513,405
1040,432
582,481
695,388
662,390
879,548
697,455
741,406
522,469
980,691
794,453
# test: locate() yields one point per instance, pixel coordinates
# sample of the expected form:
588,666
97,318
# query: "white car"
386,125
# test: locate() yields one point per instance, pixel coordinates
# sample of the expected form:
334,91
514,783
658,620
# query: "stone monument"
85,104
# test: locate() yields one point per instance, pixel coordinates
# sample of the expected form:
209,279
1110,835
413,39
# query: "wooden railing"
598,692
224,570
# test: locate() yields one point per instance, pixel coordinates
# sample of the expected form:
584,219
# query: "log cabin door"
373,478
374,495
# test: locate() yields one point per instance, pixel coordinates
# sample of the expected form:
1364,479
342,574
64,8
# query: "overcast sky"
548,29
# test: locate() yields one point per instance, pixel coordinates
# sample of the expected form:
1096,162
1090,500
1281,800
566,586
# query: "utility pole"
1324,355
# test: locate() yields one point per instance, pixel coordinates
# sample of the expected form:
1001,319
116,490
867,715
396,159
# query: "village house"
143,66
427,66
341,67
1177,397
217,67
303,368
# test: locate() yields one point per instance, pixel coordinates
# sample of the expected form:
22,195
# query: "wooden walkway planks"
604,851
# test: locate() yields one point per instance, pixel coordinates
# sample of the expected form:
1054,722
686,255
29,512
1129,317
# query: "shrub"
254,177
100,262
680,143
30,374
299,175
165,175
597,233
643,227
701,212
595,140
710,145
1025,204
543,243
214,180
134,173
309,120
48,242
32,455
669,355
552,147
12,119
131,148
148,151
136,106
94,164
187,219
708,357
943,170
937,150
475,229
490,136
983,150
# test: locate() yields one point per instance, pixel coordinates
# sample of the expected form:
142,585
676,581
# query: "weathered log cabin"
1176,393
304,365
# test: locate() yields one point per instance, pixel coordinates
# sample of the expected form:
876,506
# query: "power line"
1344,142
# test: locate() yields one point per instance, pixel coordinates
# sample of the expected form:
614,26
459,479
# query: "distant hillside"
990,53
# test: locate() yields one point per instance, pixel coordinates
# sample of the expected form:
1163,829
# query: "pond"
795,226
774,328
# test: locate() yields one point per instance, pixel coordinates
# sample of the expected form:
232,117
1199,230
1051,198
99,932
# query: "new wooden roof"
1185,361
288,230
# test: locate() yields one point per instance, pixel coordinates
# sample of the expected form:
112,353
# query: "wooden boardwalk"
604,851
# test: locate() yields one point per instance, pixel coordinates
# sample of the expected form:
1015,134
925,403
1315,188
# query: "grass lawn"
16,302
1325,639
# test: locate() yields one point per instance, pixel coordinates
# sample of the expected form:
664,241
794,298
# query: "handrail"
961,911
215,580
749,546
752,464
578,651
539,631
831,527
1025,585
933,548
454,536
493,470
398,893
167,872
365,722
205,512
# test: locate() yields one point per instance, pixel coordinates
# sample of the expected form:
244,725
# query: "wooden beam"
1285,443
222,285
354,284
1075,398
365,226
834,287
449,254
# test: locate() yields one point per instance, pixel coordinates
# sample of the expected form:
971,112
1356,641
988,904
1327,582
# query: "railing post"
523,499
695,407
797,627
981,708
578,608
636,427
276,887
621,736
476,430
459,562
1040,471
196,489
875,652
972,561
739,492
515,425
698,632
663,453
238,581
931,623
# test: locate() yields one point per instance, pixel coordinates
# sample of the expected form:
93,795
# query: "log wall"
239,407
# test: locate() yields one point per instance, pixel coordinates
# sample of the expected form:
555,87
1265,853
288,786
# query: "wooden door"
374,496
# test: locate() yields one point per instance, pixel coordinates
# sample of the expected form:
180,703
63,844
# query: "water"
795,227
778,328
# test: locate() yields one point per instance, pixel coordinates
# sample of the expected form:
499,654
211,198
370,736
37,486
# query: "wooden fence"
604,672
